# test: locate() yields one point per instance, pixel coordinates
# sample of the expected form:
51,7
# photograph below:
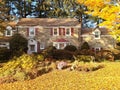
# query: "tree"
85,45
18,44
108,10
4,17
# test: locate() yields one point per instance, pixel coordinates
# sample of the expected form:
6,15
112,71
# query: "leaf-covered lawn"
107,78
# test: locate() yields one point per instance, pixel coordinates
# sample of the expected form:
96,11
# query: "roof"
11,23
86,31
4,39
48,22
61,40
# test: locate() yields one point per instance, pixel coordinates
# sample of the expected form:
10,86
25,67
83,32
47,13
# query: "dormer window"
8,31
97,34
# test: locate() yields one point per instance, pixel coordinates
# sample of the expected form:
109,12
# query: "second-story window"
55,31
31,31
68,31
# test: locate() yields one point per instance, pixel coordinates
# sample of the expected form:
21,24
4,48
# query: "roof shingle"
48,22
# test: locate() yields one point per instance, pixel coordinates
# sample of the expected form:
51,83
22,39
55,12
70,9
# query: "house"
44,32
98,38
5,36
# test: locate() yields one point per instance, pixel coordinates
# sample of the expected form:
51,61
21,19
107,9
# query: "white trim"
6,33
32,42
57,31
99,48
5,44
57,44
66,31
42,45
98,33
31,29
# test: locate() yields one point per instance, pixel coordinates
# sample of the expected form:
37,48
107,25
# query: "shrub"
85,45
104,55
117,56
71,48
5,54
85,52
84,58
20,76
62,54
48,52
18,45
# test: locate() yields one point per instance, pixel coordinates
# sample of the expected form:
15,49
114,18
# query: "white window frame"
30,29
57,31
34,48
42,45
69,31
58,44
6,33
99,48
98,34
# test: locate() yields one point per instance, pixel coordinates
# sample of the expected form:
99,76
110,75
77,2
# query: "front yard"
107,78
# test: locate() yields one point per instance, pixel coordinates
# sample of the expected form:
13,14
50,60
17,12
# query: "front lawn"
107,78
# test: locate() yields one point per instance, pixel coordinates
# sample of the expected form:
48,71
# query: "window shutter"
27,31
51,31
38,47
93,49
59,31
63,31
72,31
36,31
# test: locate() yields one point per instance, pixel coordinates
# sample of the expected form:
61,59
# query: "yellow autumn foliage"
107,78
106,10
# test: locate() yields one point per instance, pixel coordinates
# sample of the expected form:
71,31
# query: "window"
97,35
55,31
97,49
8,33
60,45
31,31
68,31
32,47
42,46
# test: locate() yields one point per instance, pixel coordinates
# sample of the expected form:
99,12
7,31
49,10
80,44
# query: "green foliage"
18,44
84,52
71,48
4,54
48,52
117,56
85,45
84,58
118,43
62,54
